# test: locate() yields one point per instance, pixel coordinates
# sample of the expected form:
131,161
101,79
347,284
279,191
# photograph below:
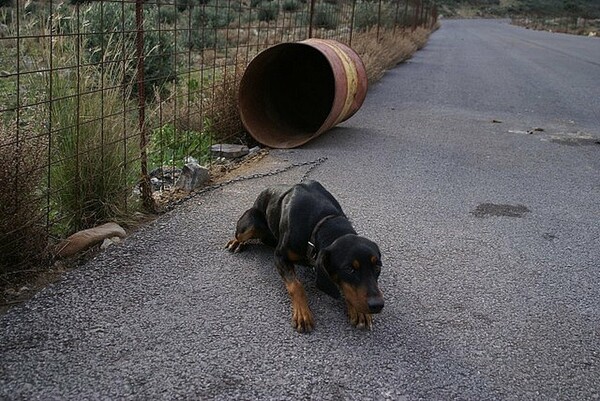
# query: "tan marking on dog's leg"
302,319
356,303
293,256
235,245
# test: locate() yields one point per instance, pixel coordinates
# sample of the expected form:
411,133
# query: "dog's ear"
324,282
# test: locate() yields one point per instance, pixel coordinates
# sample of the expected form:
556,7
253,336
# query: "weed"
102,21
171,146
167,15
291,5
94,145
23,237
268,11
325,16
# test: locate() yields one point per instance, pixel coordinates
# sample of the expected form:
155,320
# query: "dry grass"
23,238
391,48
224,106
212,110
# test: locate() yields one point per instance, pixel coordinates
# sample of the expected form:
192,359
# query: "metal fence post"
311,14
145,186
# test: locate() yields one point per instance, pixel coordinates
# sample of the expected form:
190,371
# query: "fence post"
352,22
417,3
378,20
145,187
311,14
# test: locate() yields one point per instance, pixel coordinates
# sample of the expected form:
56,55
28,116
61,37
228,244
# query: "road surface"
489,229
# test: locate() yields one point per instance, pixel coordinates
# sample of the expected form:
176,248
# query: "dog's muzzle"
375,304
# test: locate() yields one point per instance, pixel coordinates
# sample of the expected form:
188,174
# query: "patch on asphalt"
575,140
499,210
562,138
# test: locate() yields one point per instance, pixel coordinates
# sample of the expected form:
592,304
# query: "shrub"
218,17
23,238
202,34
268,11
167,15
291,5
368,14
325,16
204,38
183,5
365,15
107,21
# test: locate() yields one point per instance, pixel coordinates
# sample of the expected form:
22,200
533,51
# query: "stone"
192,176
228,150
85,239
108,242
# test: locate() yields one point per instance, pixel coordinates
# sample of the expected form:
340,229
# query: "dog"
306,225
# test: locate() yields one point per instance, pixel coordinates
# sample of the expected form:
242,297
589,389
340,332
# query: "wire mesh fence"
97,97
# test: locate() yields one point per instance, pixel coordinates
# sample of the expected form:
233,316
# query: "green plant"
170,146
291,5
167,14
183,5
365,15
200,37
325,16
205,22
218,17
268,11
93,142
104,21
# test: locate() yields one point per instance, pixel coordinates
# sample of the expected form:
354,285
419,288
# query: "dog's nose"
375,304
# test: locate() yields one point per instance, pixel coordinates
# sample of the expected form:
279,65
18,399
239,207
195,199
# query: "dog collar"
311,251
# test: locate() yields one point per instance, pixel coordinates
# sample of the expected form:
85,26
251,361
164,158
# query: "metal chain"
312,163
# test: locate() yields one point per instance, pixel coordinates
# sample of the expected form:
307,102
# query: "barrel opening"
289,93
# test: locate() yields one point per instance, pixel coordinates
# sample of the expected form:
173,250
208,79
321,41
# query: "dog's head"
353,263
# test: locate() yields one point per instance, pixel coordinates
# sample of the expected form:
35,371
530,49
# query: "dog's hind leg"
302,319
252,225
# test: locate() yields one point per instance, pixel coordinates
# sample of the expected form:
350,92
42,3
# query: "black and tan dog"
306,225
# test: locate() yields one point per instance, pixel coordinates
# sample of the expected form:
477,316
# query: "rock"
228,150
192,176
165,176
85,239
156,183
191,159
110,242
254,150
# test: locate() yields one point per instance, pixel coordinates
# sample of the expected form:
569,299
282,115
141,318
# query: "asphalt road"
490,238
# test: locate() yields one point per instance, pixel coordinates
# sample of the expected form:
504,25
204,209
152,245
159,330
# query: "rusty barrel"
293,92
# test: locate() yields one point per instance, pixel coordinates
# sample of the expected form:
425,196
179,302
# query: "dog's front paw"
360,320
234,246
302,319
